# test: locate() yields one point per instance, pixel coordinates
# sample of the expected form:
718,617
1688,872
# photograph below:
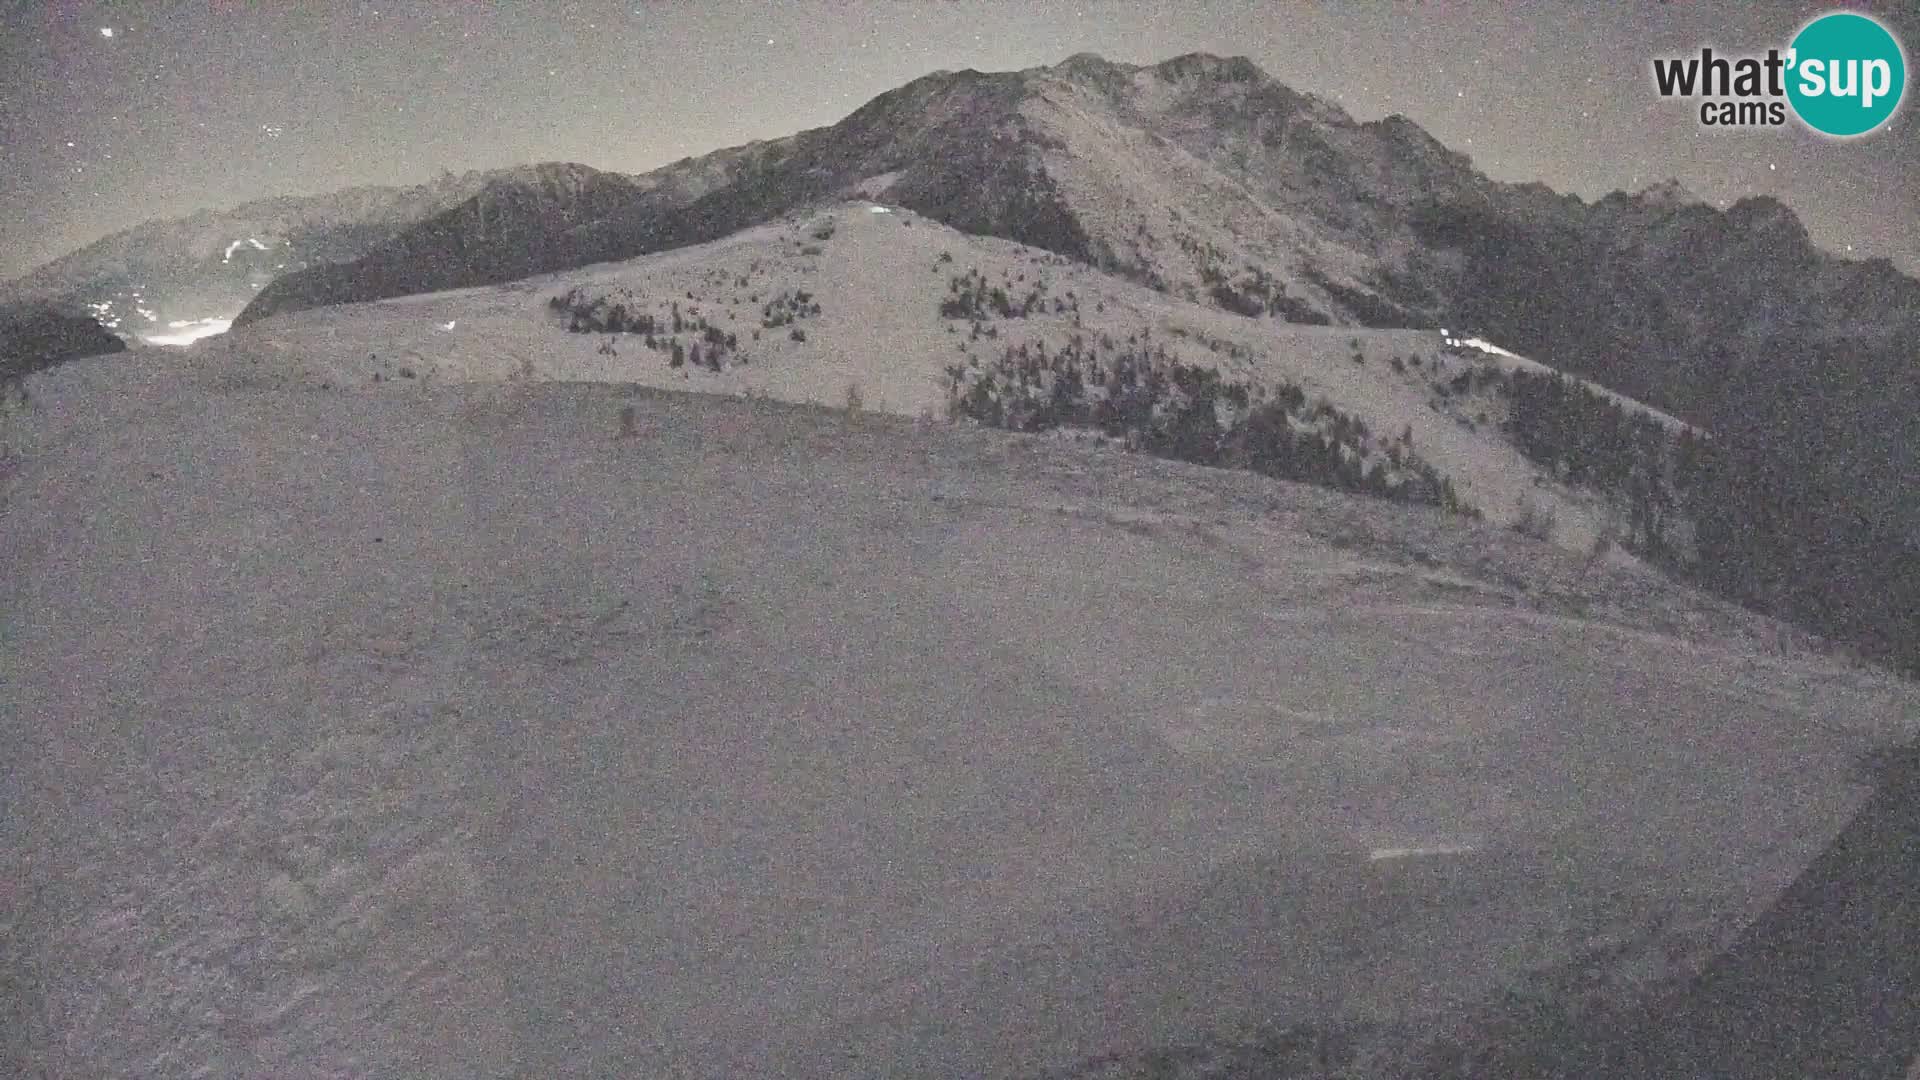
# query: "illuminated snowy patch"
189,331
1482,344
448,325
257,245
879,210
1487,346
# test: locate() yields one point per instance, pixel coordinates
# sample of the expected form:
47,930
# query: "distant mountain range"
164,275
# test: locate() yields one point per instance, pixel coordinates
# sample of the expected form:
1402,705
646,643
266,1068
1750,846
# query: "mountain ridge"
203,265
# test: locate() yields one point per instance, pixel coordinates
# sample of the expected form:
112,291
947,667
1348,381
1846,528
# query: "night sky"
111,113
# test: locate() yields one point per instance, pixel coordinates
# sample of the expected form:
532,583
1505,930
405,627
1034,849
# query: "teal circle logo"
1846,73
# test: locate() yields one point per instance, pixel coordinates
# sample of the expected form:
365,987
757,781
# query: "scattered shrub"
1534,520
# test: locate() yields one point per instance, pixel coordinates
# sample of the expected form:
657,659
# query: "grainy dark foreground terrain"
449,733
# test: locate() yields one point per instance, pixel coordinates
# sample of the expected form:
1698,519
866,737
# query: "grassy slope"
446,731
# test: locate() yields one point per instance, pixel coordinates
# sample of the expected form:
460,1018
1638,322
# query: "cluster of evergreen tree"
1204,251
1765,530
708,346
971,296
1255,294
1252,293
1770,535
788,307
1169,408
1591,440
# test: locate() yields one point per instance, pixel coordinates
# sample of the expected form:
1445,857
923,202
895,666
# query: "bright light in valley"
189,331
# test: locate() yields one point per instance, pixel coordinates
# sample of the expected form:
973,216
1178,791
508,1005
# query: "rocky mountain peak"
1090,64
547,182
1206,66
1767,215
1668,194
